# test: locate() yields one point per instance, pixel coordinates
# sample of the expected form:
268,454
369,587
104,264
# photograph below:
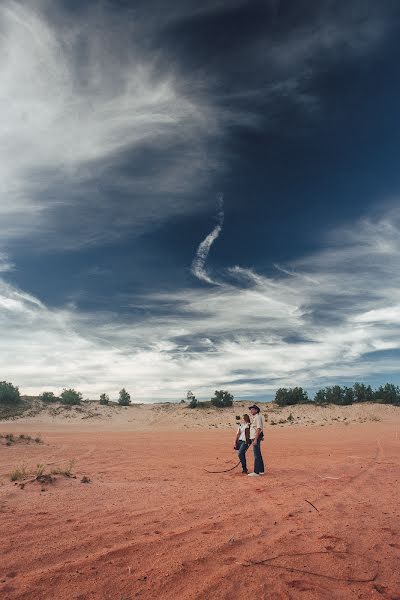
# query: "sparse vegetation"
9,394
19,473
40,469
67,471
221,399
85,479
124,398
11,439
104,399
48,397
70,397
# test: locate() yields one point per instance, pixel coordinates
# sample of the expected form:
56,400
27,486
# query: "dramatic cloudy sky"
199,195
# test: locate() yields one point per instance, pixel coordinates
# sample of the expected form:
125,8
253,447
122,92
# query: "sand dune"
178,417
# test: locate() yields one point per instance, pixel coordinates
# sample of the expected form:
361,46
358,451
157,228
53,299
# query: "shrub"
9,394
291,396
221,399
19,473
191,398
124,398
48,397
70,397
104,399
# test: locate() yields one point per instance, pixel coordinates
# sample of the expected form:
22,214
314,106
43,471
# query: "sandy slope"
178,417
153,524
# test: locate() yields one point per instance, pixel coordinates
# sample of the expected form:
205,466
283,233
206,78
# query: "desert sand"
323,523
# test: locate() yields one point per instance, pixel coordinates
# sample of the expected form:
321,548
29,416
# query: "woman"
243,441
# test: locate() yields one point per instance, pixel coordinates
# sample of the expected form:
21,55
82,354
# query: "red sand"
153,524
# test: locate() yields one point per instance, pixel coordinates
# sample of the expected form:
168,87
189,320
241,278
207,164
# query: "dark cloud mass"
123,123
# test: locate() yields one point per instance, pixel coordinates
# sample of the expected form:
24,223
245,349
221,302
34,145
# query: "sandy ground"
153,524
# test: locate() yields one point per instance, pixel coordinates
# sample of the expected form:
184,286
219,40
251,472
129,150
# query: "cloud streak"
199,262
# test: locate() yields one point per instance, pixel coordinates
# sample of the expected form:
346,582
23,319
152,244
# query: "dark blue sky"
124,121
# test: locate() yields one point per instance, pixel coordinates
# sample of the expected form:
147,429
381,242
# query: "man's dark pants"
258,459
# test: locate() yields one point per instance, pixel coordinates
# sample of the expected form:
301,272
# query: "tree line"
336,394
341,395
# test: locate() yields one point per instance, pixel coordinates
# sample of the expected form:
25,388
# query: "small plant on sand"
221,399
66,471
272,422
10,439
19,473
124,398
104,399
70,397
48,397
85,479
40,469
290,418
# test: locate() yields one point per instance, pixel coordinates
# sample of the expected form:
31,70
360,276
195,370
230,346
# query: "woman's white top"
242,430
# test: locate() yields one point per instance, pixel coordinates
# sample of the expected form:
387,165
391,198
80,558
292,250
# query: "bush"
48,397
221,399
104,399
9,394
191,398
291,396
124,398
70,397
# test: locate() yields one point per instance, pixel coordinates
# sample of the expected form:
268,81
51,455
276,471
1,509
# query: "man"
256,436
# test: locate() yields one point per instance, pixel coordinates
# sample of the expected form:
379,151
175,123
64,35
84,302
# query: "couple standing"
251,432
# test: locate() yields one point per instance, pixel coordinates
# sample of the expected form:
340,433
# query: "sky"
199,196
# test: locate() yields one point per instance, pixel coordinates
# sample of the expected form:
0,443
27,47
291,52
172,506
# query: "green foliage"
9,394
363,393
48,397
124,398
388,394
104,399
191,398
335,395
70,397
221,399
291,396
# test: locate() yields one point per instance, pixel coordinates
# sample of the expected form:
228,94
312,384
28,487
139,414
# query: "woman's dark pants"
242,455
258,459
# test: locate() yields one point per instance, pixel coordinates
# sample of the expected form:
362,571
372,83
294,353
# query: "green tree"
291,396
124,398
9,393
388,394
48,397
320,396
70,397
363,393
221,399
104,399
191,398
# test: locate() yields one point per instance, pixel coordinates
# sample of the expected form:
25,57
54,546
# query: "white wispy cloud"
272,331
77,97
199,262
